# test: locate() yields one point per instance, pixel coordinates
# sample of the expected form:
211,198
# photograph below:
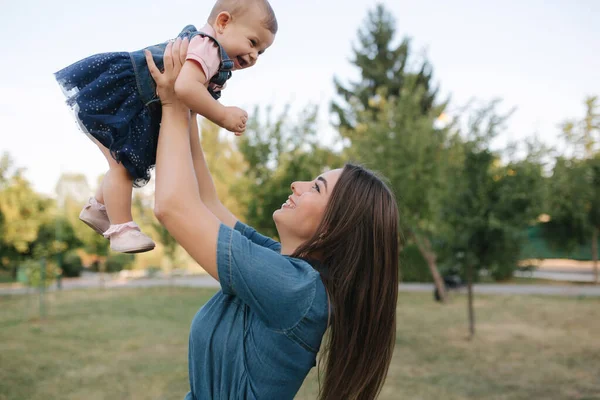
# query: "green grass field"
132,344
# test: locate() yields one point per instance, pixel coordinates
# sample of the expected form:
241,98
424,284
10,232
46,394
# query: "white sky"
541,56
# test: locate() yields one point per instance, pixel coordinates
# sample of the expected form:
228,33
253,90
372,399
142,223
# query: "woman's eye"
317,188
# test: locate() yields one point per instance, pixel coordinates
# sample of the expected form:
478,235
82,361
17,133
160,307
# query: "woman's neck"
289,243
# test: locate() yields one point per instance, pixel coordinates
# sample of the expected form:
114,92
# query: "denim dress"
258,337
114,100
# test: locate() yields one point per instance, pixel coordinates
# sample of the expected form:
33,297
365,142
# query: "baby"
115,103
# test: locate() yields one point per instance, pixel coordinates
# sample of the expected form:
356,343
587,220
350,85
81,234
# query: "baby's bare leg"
99,196
115,190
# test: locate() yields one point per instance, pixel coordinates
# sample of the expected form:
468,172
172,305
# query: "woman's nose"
297,187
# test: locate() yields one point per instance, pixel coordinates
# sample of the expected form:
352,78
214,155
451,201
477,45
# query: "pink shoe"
127,238
94,215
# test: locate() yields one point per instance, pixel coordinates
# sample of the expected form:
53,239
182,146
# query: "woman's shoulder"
306,266
313,321
313,273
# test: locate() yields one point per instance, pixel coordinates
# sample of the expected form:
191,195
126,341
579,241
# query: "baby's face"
245,38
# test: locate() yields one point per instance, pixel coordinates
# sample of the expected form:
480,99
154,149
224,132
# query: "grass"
132,344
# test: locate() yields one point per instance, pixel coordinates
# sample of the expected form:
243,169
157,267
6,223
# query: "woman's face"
301,214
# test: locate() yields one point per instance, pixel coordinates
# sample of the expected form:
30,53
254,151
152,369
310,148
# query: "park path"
205,281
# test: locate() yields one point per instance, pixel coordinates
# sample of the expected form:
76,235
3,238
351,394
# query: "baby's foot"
94,215
127,238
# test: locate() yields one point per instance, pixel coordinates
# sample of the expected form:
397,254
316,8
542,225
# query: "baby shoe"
127,238
94,215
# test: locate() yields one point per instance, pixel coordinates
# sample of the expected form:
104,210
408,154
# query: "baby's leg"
99,196
115,190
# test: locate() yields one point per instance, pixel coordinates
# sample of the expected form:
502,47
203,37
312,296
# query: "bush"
153,271
413,267
33,272
118,262
503,272
71,265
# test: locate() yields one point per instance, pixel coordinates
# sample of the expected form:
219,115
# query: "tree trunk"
102,270
13,272
595,253
430,257
470,302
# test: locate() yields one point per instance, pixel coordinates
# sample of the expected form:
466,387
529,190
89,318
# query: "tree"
583,136
574,201
279,151
487,204
388,117
21,210
594,208
55,237
574,205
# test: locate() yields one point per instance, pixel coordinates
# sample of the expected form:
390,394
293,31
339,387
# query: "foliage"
116,262
71,265
35,269
487,204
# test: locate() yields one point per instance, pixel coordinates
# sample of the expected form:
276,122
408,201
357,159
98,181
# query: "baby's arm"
190,87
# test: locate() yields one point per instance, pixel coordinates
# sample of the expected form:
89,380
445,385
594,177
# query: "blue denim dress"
258,337
114,99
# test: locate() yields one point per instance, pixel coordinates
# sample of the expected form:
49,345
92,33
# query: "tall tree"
487,204
574,206
583,136
388,116
574,203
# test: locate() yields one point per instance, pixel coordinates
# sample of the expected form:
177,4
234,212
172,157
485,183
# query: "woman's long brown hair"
357,242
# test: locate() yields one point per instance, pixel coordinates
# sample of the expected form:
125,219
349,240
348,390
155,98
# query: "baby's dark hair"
238,7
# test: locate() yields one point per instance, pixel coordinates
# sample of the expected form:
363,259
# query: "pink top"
205,52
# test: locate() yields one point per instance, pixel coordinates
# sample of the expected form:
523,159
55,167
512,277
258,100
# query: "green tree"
487,204
583,136
574,201
389,117
55,237
22,213
574,205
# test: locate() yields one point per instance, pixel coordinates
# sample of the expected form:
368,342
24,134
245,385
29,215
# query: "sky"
541,57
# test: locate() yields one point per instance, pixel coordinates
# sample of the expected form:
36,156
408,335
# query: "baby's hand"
235,120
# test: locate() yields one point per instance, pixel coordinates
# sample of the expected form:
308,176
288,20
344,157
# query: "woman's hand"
173,59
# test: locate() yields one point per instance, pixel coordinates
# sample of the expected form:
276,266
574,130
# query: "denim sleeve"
279,289
256,237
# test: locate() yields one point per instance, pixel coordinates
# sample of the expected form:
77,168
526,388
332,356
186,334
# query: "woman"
258,337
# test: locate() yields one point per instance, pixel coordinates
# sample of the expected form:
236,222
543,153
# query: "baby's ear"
222,20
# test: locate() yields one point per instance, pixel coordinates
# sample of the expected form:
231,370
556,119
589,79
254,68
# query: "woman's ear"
223,19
